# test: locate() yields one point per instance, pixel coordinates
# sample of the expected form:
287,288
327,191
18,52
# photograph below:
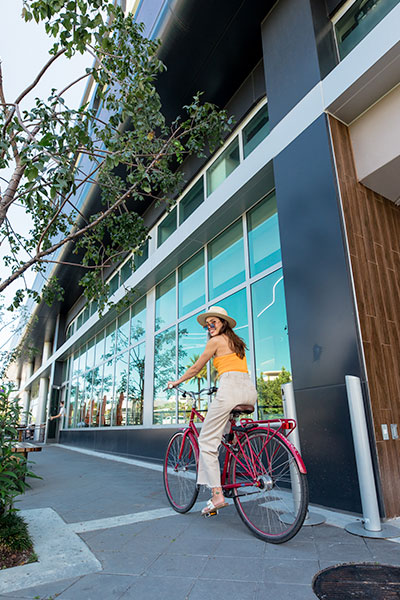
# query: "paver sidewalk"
160,555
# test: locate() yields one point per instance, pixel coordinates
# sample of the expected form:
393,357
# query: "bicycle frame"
241,432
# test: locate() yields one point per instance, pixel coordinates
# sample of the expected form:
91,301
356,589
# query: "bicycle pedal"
212,513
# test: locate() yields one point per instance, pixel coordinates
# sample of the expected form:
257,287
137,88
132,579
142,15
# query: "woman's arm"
208,353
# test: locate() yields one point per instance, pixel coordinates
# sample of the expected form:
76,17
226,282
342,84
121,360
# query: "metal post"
371,525
289,410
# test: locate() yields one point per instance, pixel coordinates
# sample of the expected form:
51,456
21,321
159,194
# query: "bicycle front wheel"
180,472
273,500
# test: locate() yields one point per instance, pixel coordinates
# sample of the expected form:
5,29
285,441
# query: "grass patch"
16,546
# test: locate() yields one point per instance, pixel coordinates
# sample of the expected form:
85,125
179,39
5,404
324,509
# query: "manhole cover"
358,582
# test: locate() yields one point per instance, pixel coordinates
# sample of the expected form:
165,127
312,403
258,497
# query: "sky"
23,51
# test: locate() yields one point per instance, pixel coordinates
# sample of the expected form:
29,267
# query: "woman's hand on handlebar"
172,384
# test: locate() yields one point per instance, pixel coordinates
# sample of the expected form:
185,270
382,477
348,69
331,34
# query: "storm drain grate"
358,582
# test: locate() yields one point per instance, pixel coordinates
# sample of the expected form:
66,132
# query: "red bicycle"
262,471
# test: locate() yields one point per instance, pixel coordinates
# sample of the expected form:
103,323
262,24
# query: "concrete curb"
62,554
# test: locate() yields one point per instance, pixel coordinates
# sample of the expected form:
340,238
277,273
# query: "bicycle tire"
180,473
276,511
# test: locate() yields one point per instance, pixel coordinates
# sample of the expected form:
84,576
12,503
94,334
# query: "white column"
40,416
26,394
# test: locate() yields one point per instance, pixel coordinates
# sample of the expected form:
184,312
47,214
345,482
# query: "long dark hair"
236,344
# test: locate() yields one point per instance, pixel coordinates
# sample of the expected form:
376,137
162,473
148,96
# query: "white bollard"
371,525
289,410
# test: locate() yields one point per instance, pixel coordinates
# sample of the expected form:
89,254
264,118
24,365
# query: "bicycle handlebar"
209,391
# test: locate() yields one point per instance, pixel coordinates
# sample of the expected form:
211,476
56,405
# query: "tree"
121,144
269,393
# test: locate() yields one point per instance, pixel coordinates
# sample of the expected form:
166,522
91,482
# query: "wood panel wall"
373,230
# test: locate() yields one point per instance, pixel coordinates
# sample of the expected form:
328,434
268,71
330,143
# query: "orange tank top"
230,362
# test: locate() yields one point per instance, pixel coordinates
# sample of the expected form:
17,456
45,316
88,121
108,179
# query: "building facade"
293,226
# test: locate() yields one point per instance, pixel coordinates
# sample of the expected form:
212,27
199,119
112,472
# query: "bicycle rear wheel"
275,506
180,472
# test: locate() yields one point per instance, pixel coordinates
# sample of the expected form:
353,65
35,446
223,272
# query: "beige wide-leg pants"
234,388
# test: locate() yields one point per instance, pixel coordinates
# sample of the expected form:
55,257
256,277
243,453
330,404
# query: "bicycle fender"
296,453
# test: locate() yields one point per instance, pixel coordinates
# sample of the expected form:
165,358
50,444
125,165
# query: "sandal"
212,508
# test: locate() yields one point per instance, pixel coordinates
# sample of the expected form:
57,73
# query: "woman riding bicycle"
235,387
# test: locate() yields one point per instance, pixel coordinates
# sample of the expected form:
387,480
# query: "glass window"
226,261
126,270
191,201
134,413
75,364
79,321
85,416
108,385
81,403
191,284
113,284
111,335
358,21
164,371
141,255
166,301
70,330
167,227
138,320
236,306
123,331
96,396
72,404
99,352
255,131
93,307
223,166
263,234
86,315
270,342
120,390
191,342
90,354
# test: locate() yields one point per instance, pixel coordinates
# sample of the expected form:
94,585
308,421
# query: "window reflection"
263,234
120,390
166,301
138,320
236,306
256,130
72,404
111,335
134,414
358,21
191,342
271,342
191,201
223,166
90,354
167,227
108,384
191,286
226,261
97,383
123,332
164,371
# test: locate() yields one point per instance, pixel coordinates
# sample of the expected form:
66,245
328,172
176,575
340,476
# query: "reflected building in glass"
292,225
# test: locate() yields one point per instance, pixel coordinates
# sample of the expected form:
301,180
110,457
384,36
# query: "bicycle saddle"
247,409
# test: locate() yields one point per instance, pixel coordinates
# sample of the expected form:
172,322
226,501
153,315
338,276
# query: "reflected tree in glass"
120,390
164,371
136,385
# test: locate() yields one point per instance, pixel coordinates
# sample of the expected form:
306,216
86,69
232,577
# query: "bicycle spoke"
275,505
180,472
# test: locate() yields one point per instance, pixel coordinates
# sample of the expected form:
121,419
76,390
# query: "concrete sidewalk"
105,531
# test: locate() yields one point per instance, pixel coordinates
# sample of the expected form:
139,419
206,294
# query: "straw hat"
216,311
